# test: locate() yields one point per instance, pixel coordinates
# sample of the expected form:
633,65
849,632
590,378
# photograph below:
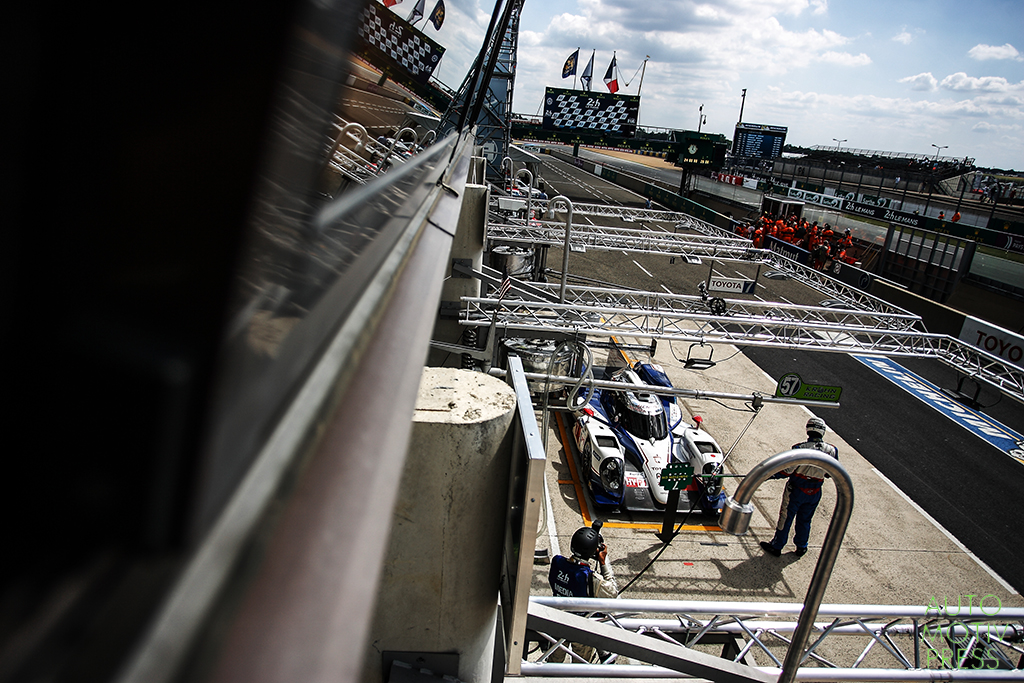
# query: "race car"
521,189
626,437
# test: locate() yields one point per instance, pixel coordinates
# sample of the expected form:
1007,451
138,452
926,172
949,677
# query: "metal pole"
508,172
529,191
736,516
931,183
565,244
839,145
963,188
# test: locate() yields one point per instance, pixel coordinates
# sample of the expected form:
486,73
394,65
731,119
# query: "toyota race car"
626,437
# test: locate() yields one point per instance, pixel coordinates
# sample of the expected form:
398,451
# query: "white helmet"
816,426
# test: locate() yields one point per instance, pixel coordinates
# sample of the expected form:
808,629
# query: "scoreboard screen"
591,112
758,141
391,43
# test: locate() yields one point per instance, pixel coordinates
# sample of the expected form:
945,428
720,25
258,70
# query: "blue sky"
896,75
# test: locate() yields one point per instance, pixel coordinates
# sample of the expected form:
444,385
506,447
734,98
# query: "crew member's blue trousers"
798,505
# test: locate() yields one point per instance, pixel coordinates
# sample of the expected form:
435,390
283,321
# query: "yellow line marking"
625,356
584,512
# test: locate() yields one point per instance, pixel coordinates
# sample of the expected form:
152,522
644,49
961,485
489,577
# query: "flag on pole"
588,72
505,288
417,12
609,77
569,68
391,3
437,16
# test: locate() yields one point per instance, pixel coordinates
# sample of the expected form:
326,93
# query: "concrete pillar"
439,590
477,169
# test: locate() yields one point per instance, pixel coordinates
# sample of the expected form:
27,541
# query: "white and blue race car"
626,437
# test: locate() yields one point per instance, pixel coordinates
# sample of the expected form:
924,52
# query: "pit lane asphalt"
967,485
962,482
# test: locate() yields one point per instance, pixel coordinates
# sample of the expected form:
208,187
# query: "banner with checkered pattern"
591,112
391,43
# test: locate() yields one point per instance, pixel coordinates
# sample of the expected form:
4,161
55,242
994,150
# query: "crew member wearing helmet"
574,577
802,495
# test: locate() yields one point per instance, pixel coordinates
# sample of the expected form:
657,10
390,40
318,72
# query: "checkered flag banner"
390,42
591,112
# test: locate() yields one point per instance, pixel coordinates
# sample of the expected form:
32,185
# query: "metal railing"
528,461
849,642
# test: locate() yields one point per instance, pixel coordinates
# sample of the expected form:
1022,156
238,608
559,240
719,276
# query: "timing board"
392,43
759,141
590,111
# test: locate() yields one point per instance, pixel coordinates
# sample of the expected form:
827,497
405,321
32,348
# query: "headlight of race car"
611,474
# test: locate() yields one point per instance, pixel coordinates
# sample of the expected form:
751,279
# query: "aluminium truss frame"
919,643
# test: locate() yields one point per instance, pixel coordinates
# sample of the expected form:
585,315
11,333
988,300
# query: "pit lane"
891,553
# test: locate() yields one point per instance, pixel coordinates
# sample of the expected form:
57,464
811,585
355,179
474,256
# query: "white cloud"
903,37
924,81
982,52
845,58
961,82
787,54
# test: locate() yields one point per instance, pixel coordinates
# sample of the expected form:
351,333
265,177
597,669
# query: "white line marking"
666,289
642,268
950,536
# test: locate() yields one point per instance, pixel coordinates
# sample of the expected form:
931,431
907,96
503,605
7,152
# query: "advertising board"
999,342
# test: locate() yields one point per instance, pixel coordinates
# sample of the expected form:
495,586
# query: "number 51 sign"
791,386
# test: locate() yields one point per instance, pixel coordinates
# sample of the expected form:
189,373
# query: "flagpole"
642,70
590,67
576,69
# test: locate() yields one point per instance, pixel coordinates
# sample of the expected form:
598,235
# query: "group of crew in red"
823,243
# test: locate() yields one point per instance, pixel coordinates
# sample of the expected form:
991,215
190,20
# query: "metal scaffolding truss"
712,242
849,642
737,309
606,238
649,315
625,212
868,324
523,318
